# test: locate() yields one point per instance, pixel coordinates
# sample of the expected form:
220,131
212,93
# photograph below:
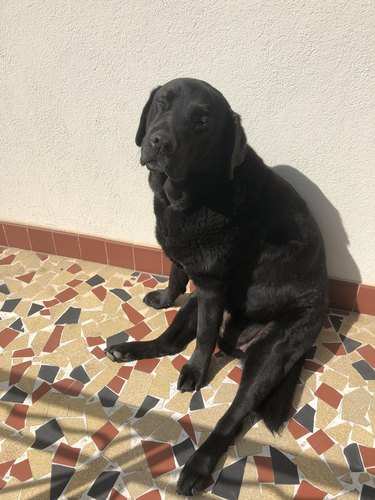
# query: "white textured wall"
75,75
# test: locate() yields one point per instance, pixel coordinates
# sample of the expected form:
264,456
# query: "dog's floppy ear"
239,145
142,122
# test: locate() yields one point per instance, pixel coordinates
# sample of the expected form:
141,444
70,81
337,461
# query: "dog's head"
187,129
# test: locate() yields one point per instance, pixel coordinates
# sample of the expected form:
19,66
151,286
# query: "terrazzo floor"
75,425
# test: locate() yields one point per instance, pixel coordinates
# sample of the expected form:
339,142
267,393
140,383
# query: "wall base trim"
344,295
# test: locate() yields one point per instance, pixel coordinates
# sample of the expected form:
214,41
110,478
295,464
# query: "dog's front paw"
195,476
121,353
192,378
158,299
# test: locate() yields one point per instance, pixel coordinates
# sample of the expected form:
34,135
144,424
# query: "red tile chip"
159,457
151,495
7,336
265,470
235,374
307,491
22,471
66,455
66,295
116,384
124,372
133,315
98,353
75,268
115,495
91,341
139,331
74,283
151,283
329,395
50,303
368,353
143,277
24,353
5,466
2,484
100,292
368,455
40,391
179,361
54,340
170,315
68,386
312,366
103,436
186,424
7,260
17,371
26,278
147,365
320,441
297,430
17,416
336,348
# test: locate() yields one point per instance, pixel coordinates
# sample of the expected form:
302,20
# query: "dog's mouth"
154,166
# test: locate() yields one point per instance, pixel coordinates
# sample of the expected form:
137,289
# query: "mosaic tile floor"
74,425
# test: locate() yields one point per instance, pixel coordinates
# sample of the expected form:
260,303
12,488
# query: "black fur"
250,245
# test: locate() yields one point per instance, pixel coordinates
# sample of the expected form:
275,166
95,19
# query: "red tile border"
3,238
343,295
365,301
41,240
67,244
17,236
159,457
93,249
120,254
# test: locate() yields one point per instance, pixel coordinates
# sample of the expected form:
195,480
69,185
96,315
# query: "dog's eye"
201,124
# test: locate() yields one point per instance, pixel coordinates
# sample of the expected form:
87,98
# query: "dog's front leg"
210,315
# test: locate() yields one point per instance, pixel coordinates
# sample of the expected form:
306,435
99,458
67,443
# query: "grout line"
5,235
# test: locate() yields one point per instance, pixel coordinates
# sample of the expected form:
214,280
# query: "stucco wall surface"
74,76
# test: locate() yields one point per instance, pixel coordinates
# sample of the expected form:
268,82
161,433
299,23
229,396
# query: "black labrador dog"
251,247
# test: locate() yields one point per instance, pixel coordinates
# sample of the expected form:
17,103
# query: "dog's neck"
167,193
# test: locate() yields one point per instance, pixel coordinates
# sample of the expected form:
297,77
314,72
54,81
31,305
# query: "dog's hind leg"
182,330
284,342
160,299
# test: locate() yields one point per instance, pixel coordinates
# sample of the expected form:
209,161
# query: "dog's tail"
275,408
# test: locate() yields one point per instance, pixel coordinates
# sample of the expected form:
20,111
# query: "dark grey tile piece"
353,457
148,403
60,477
305,417
79,373
229,482
103,484
364,369
367,493
183,451
4,289
118,338
34,309
196,402
47,434
160,279
14,395
17,325
70,316
48,372
336,322
350,344
136,273
121,294
10,304
95,280
107,397
284,471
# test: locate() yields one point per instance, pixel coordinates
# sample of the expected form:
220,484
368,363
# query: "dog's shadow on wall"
339,260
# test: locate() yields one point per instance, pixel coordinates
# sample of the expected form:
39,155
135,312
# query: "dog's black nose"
162,143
